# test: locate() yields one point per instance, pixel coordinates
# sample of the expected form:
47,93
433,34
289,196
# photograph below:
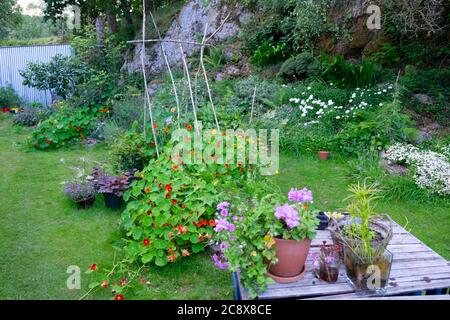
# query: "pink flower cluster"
289,215
303,195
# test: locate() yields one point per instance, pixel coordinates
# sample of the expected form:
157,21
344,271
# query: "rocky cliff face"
190,23
360,41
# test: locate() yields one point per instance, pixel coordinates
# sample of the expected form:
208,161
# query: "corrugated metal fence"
14,59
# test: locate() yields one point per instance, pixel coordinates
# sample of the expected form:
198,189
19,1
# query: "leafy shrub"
64,127
432,82
350,75
9,98
59,76
130,151
268,53
170,212
300,67
375,130
31,115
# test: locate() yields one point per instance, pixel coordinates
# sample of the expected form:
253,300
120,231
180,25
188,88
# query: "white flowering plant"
431,170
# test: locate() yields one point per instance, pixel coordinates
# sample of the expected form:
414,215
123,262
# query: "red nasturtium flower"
159,185
119,297
227,166
183,206
305,206
155,126
207,236
188,127
93,267
147,190
174,202
123,281
170,249
149,212
212,223
146,242
175,167
104,284
168,187
48,141
172,257
185,253
169,235
200,238
152,144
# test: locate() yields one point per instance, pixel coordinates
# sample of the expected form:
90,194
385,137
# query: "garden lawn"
42,233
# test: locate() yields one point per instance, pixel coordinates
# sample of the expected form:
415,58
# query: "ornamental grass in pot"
365,237
82,193
81,188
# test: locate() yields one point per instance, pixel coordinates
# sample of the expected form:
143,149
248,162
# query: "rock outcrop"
190,23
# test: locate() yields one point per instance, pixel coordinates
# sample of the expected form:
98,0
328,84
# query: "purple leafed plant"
105,183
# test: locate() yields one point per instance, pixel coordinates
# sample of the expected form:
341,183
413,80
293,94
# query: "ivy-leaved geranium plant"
245,232
169,214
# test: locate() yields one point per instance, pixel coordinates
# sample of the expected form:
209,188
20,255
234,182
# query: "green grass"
428,221
42,233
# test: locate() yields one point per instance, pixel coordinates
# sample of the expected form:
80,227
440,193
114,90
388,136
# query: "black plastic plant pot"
323,221
86,204
112,201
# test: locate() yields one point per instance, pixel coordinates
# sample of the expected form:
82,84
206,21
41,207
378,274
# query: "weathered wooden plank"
415,267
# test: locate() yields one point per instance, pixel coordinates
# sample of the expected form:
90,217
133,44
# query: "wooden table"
415,268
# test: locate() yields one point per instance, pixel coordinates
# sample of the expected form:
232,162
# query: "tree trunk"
112,22
100,28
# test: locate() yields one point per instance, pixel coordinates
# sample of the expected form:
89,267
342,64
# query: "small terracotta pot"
291,256
323,155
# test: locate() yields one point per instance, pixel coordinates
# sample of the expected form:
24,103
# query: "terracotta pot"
323,155
291,256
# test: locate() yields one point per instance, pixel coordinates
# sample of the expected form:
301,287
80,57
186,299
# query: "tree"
10,17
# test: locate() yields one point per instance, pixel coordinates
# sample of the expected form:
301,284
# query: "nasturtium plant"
64,127
170,211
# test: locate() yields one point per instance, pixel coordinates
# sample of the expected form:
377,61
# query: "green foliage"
64,127
59,76
9,98
300,67
350,75
214,58
169,213
10,17
432,82
311,21
375,130
130,151
268,53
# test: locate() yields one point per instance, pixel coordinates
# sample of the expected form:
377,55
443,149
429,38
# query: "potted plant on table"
112,187
262,240
326,263
293,229
365,236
